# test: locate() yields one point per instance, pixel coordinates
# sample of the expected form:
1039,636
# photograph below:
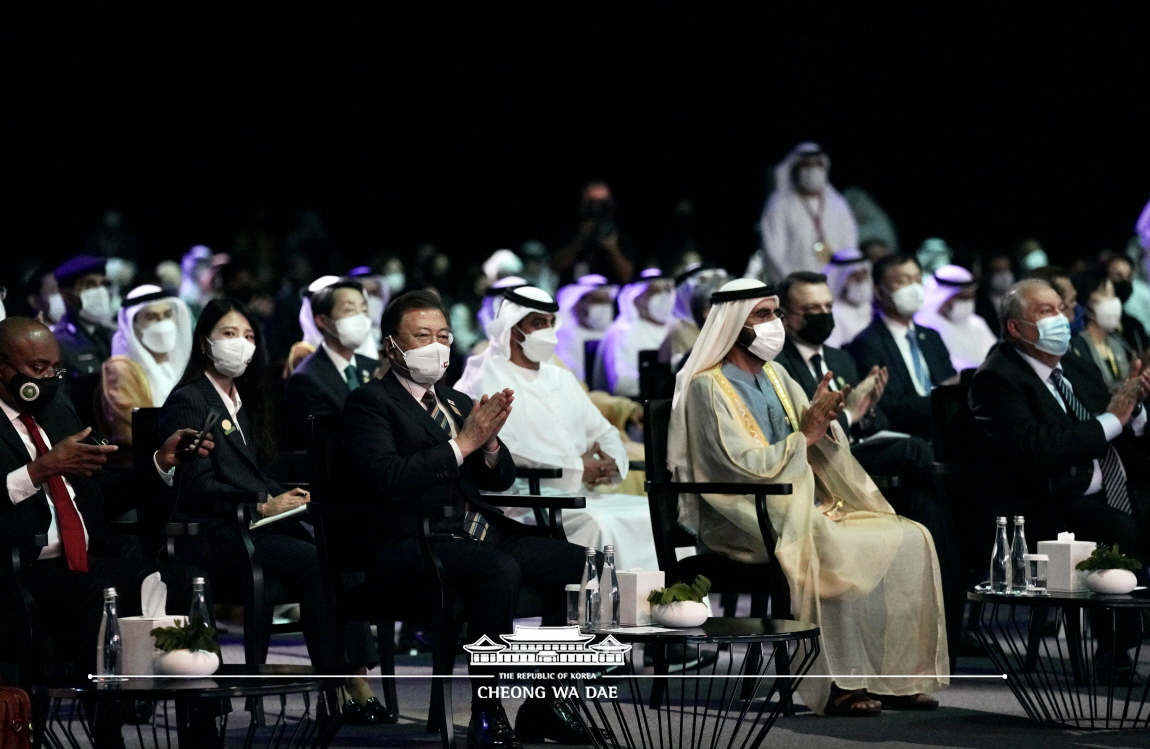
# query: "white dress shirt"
899,331
807,351
1111,426
340,363
20,485
417,391
232,402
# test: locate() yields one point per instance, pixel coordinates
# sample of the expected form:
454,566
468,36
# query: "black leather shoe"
490,729
542,719
371,713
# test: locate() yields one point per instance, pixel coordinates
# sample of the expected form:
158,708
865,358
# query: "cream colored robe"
868,577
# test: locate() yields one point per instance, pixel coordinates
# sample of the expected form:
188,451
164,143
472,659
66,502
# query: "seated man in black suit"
1057,447
51,490
915,357
320,384
807,301
415,442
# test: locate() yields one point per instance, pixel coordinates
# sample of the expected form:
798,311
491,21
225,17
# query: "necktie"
920,372
817,366
474,524
1113,475
352,376
68,520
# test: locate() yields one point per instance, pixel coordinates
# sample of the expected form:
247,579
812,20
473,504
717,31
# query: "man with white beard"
805,220
555,425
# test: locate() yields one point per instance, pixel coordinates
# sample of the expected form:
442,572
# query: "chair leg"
385,644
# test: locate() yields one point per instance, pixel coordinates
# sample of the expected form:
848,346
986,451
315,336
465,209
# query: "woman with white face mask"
644,321
1101,341
227,374
948,308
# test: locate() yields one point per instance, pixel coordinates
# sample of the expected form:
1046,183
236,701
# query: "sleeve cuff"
1138,423
20,485
491,458
1111,426
165,476
458,453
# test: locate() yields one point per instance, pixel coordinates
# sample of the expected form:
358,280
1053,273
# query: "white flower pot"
1111,582
188,663
680,614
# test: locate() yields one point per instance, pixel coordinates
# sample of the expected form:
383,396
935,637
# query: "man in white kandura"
866,576
948,307
644,320
155,331
555,425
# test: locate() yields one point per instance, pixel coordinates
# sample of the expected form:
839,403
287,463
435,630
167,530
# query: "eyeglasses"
767,315
41,372
425,339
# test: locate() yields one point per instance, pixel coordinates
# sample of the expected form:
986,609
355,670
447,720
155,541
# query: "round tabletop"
1138,599
722,629
234,680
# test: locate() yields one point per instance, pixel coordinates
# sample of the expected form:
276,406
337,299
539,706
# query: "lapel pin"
366,377
228,426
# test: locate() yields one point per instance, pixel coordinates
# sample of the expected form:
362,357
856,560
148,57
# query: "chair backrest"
664,507
154,508
952,424
656,380
331,487
590,350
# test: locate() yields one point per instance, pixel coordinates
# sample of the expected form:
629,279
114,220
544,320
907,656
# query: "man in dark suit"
1056,446
51,490
415,442
320,384
83,333
915,357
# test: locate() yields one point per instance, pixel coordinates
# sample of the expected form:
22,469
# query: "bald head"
20,333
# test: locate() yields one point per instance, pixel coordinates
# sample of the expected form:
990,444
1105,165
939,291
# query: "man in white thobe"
555,425
644,320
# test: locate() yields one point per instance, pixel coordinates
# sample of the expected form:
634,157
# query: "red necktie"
67,518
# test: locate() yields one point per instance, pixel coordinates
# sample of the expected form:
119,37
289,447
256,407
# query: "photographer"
596,249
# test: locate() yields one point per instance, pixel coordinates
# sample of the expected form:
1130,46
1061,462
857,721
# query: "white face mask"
659,306
600,316
426,364
374,309
1001,281
56,308
961,310
769,339
859,293
96,304
812,179
232,355
540,345
908,299
159,337
353,331
1108,313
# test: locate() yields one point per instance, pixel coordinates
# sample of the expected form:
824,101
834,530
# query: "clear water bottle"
589,600
1018,565
199,614
1000,560
109,646
609,590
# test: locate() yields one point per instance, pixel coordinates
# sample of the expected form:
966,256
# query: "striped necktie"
435,412
1113,474
474,524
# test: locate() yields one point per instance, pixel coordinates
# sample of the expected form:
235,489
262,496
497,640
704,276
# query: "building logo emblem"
547,646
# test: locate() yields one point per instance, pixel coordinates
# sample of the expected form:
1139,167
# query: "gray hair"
1014,302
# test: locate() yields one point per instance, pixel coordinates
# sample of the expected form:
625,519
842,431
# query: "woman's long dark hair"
252,385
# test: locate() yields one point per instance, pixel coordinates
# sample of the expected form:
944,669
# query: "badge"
366,377
842,383
228,426
29,391
453,408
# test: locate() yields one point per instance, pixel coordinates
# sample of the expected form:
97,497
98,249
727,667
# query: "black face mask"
32,395
817,327
1123,290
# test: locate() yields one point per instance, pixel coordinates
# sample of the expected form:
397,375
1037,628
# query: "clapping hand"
825,407
1133,390
862,399
487,417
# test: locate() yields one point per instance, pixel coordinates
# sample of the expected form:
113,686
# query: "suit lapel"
894,354
799,368
1049,402
234,437
331,377
12,437
412,407
450,405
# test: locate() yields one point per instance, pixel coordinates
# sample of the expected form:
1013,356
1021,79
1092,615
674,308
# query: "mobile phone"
191,451
97,439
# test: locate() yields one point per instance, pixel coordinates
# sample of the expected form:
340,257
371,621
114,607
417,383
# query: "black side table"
732,700
1061,683
64,714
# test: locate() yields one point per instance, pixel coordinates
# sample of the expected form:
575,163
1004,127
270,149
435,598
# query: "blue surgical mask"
1053,334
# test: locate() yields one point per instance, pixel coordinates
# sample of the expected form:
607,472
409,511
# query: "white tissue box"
634,587
1064,554
139,645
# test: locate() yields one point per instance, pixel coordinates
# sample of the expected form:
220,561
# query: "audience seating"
656,380
590,351
333,514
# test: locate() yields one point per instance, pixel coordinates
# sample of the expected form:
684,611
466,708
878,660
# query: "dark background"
982,124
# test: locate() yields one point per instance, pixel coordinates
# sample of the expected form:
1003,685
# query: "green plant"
681,592
1106,558
186,636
